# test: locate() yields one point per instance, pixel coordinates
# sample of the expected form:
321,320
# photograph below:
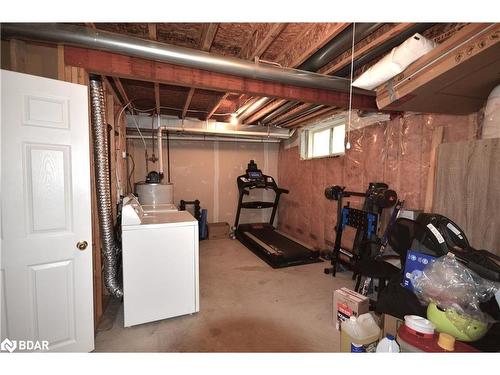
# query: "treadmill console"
254,178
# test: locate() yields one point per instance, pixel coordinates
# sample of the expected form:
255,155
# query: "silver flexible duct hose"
110,249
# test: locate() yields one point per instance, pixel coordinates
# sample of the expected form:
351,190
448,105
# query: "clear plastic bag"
451,285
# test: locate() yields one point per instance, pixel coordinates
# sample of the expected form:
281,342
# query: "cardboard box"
217,231
347,303
391,325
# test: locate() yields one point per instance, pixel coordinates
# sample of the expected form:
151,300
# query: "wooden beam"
275,104
364,46
91,25
135,68
152,31
208,35
308,42
157,97
263,36
188,102
217,105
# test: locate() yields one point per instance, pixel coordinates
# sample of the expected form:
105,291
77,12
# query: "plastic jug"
361,331
388,345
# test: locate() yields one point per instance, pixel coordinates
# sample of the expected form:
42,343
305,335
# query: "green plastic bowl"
462,327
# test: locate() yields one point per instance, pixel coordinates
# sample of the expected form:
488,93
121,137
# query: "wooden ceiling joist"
364,46
217,105
187,103
315,116
152,31
308,42
262,37
121,90
275,104
136,68
208,35
111,90
291,113
258,43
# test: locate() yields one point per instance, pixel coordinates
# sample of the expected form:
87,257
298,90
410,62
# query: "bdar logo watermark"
11,346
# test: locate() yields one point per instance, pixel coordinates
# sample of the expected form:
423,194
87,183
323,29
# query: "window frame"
307,138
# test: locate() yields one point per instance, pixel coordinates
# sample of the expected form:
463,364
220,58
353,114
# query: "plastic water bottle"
388,345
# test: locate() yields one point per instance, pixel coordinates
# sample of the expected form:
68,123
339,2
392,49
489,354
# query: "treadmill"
262,239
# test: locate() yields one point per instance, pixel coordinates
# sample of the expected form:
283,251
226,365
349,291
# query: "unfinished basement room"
250,187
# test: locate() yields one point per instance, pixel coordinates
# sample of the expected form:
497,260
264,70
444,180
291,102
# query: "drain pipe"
160,148
110,249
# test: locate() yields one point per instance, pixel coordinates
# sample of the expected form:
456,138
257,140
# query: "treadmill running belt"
275,249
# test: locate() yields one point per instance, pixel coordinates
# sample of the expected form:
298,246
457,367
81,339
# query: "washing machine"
160,263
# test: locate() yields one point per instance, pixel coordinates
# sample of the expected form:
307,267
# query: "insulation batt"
396,152
395,62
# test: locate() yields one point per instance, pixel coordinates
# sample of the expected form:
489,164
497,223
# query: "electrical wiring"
136,124
129,176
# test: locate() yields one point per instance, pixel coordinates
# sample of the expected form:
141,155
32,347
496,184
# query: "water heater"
154,193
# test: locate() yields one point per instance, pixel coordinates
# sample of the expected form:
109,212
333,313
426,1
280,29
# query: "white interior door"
46,280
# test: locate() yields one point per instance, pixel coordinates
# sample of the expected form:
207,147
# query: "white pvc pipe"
211,138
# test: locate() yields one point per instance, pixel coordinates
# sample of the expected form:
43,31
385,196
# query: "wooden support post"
437,139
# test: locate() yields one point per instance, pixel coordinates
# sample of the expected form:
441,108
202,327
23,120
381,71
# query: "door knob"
81,245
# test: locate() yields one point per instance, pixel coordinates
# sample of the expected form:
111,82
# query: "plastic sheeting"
395,62
396,152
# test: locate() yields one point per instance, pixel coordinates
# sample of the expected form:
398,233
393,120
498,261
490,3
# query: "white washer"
160,264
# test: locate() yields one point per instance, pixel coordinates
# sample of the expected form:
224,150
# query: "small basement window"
323,140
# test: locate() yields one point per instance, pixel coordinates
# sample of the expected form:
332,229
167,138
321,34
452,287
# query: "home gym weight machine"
378,196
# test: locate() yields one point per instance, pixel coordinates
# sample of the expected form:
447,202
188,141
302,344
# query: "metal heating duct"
117,43
110,249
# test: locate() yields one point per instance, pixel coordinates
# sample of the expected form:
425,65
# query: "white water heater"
154,193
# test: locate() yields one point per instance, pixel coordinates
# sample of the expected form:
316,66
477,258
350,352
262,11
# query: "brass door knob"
81,245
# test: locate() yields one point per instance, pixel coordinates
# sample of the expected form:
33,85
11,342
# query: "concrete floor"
245,306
